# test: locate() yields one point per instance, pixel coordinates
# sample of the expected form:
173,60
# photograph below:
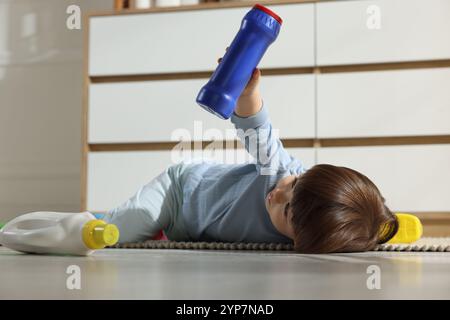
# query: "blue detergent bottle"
259,28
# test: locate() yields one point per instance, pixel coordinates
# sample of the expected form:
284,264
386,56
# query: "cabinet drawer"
387,103
411,178
153,111
113,177
409,30
191,40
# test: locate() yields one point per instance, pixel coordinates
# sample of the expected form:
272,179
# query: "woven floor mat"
423,245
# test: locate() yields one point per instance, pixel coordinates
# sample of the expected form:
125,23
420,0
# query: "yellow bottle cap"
97,234
409,229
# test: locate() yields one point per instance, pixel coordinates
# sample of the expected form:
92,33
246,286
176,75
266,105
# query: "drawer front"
411,178
387,103
192,41
113,177
153,111
408,30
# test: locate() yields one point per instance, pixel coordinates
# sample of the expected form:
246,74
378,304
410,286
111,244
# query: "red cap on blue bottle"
269,12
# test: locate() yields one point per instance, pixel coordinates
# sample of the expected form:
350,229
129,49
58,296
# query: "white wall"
40,105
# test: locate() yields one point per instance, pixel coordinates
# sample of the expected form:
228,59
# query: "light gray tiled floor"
180,274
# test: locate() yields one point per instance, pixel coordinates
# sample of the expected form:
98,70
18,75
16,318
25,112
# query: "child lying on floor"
321,210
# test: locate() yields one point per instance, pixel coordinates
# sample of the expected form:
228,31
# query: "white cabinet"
316,105
290,100
384,103
411,178
186,41
166,110
149,111
408,30
113,177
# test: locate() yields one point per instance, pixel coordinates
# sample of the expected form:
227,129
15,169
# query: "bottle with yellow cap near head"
58,233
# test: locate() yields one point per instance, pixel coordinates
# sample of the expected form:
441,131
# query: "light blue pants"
156,206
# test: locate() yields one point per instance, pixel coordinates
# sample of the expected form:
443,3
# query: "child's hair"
337,209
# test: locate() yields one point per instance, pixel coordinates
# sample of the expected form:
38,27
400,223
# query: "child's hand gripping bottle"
259,28
58,233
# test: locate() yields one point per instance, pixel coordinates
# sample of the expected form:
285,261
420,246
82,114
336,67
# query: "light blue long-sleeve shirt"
223,202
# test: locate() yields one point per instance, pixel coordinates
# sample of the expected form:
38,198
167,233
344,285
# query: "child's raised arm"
263,144
254,129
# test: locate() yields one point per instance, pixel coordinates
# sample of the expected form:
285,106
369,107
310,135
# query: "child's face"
278,205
